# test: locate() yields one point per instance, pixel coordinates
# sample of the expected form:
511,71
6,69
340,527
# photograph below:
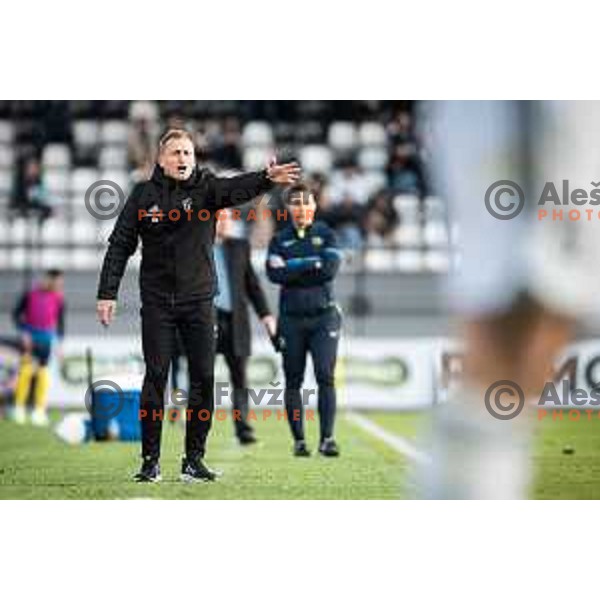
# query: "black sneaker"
195,470
328,447
300,448
246,438
149,473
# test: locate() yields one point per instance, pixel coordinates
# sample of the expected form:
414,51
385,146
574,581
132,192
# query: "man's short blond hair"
174,134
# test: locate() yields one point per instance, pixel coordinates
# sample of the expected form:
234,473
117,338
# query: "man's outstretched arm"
122,243
231,191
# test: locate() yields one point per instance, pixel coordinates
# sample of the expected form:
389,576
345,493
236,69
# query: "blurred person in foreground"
239,286
40,317
520,286
303,258
174,214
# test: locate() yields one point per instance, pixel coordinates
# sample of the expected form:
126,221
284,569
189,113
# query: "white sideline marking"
399,444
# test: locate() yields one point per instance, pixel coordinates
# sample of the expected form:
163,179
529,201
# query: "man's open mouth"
182,169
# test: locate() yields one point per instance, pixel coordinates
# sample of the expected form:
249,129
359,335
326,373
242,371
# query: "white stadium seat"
316,159
256,158
437,261
82,179
373,159
54,231
58,184
408,234
18,231
377,260
86,133
7,156
435,233
115,133
409,261
113,157
84,231
84,259
342,136
53,258
372,134
19,258
408,207
374,181
7,132
257,133
118,176
6,180
56,156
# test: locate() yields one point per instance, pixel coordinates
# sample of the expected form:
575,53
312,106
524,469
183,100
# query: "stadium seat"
374,181
118,176
434,208
56,156
408,208
58,183
6,181
257,133
113,157
372,134
7,132
377,260
342,136
435,233
436,261
7,156
373,159
316,159
53,257
409,261
54,231
408,234
84,232
114,133
82,179
84,259
18,231
256,158
86,133
19,258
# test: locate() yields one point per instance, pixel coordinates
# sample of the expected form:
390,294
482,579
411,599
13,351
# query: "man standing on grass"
174,214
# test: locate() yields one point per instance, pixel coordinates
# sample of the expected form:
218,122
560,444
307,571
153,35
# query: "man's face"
177,158
302,205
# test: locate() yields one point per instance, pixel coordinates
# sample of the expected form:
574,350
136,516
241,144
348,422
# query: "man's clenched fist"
105,309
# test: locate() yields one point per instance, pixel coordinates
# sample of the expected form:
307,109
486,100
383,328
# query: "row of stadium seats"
82,259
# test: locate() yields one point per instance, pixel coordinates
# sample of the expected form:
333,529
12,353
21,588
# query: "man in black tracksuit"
174,215
304,258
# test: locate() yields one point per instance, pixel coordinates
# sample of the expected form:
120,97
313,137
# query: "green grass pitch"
35,464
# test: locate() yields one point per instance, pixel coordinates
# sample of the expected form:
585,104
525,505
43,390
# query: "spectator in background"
348,182
380,220
405,172
30,194
345,218
400,129
143,137
225,150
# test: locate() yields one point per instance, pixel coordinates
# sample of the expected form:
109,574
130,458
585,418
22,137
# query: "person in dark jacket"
239,286
303,258
174,215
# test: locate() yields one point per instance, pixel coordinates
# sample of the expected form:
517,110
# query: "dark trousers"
319,336
237,366
195,322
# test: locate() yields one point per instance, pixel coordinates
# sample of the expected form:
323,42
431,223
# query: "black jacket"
177,261
310,263
245,288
